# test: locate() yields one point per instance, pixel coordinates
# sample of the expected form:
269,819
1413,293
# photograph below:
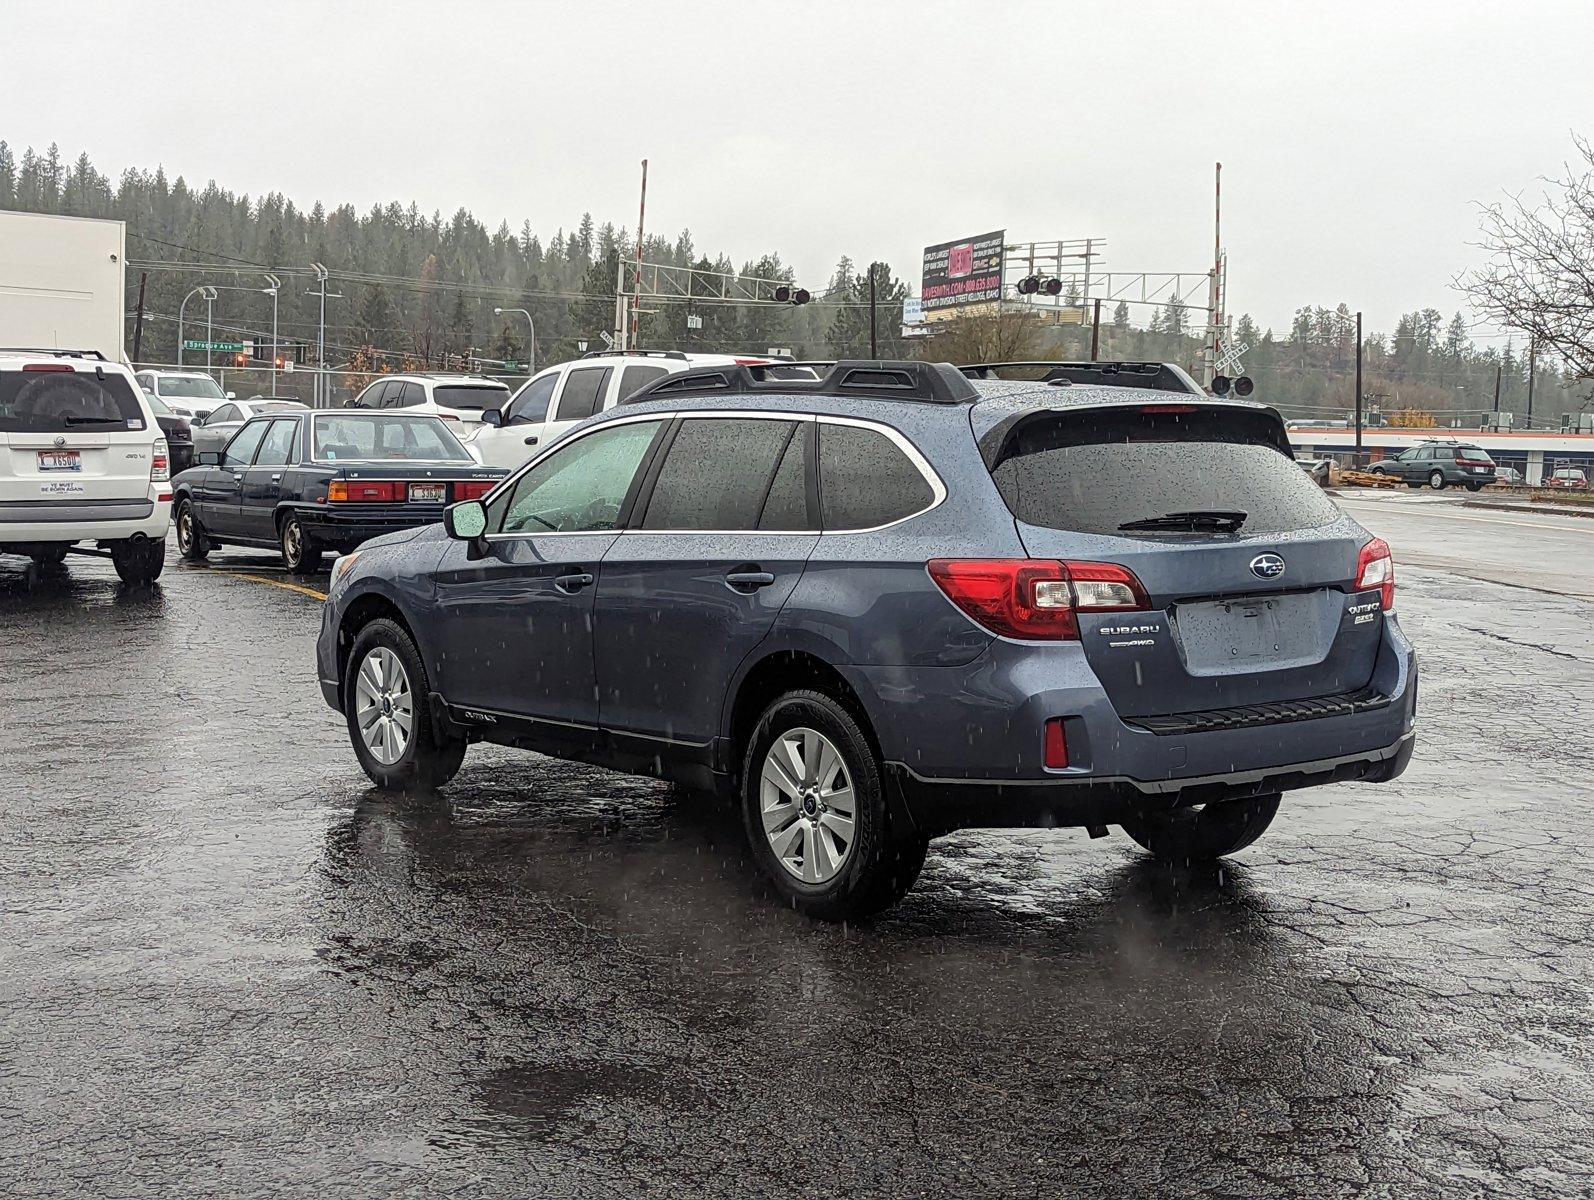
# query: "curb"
1554,510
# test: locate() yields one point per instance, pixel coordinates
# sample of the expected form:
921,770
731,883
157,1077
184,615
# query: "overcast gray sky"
1355,137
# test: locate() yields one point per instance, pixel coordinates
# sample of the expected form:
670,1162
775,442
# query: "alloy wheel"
293,543
384,706
807,804
185,530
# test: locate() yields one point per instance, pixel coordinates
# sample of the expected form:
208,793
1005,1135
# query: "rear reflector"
1167,408
1036,599
1375,568
1055,744
53,368
349,491
472,490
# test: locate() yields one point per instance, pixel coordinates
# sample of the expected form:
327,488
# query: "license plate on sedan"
60,460
428,493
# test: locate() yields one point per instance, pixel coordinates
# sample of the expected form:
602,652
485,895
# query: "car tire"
1203,832
298,555
796,820
1436,480
418,759
49,556
1474,487
138,562
1377,471
192,541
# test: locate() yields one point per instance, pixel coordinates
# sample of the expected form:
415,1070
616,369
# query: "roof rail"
53,352
929,383
675,354
1157,376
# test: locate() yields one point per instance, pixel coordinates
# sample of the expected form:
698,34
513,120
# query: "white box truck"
63,283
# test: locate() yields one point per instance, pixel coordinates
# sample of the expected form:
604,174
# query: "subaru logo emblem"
1267,566
59,442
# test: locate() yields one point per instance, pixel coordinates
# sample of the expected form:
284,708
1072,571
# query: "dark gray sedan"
216,430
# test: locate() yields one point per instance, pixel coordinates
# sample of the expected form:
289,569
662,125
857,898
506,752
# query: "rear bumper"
82,521
344,531
963,746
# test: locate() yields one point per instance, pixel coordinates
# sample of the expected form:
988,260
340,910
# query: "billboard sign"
962,276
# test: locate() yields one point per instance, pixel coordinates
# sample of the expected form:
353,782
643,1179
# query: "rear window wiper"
92,420
1228,521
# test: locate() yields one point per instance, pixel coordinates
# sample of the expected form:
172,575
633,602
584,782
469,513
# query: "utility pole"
1214,299
322,275
1095,331
210,313
1357,457
874,342
138,319
1497,389
636,278
1532,357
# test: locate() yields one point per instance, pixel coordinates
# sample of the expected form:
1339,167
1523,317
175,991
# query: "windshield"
472,396
1201,472
66,401
354,436
185,386
157,407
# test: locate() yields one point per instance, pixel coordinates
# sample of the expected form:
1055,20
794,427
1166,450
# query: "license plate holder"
60,460
428,493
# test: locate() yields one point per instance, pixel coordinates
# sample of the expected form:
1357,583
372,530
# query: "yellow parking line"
277,583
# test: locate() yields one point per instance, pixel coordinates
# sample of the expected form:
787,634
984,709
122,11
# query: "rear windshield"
1094,472
63,401
186,388
349,436
451,396
1473,454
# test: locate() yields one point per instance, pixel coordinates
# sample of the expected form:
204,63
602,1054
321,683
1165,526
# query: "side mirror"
232,395
209,458
493,417
466,521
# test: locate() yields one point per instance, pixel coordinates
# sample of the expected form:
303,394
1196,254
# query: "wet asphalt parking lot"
231,967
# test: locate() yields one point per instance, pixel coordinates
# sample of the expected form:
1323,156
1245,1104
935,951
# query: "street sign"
511,365
1231,357
912,310
218,347
693,321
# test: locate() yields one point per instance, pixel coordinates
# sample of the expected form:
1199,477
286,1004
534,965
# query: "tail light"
48,368
350,491
1375,568
472,490
160,464
1036,599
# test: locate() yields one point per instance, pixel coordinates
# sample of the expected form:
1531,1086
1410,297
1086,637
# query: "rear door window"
276,450
634,378
67,402
717,474
866,480
1091,472
583,387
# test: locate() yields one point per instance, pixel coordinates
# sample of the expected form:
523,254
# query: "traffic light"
1031,284
240,359
790,295
278,363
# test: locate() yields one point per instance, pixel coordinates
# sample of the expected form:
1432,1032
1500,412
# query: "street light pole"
531,363
1356,460
202,290
276,285
210,313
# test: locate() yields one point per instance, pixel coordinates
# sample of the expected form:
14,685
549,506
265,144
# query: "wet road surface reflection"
232,967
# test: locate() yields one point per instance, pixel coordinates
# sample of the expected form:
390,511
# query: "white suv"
452,397
555,398
191,394
81,460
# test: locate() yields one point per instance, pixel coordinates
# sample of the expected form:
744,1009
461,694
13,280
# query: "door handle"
276,478
237,478
531,441
747,581
574,582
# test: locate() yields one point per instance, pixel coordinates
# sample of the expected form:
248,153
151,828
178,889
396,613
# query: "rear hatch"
1249,568
77,435
469,399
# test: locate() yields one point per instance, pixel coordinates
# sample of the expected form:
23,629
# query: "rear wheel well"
788,671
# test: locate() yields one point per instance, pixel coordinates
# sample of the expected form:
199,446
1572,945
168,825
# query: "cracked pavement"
233,968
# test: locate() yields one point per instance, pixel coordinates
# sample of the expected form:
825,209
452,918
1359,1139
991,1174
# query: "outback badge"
1267,566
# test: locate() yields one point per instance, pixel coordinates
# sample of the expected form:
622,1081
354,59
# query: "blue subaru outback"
877,602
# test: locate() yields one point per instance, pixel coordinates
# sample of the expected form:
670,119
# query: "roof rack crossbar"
883,379
53,351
